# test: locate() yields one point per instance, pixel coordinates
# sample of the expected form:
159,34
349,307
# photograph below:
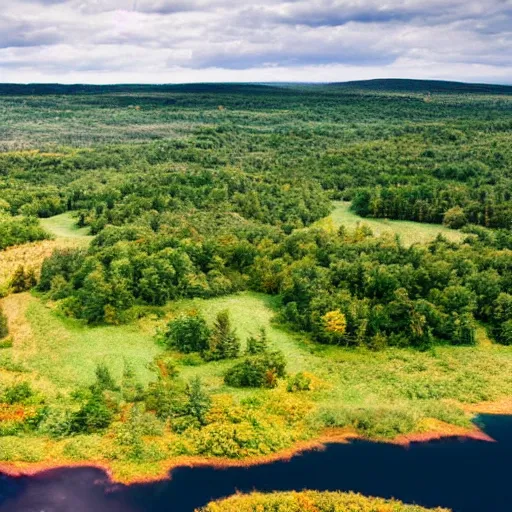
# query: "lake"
462,474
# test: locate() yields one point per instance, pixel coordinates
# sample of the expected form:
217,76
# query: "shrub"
261,371
17,393
4,326
57,423
298,382
188,333
19,282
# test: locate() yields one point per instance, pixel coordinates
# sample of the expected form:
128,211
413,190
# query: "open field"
61,353
31,255
409,232
64,226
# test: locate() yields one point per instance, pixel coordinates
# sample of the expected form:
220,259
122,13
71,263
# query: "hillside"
424,86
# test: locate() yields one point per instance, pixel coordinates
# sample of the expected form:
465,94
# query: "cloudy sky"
168,41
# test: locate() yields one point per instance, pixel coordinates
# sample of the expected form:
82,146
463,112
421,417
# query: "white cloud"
105,41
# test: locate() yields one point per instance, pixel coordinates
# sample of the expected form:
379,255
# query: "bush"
188,333
17,393
57,423
4,326
261,371
298,382
22,281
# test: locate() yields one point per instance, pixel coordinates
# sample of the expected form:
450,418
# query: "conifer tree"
223,343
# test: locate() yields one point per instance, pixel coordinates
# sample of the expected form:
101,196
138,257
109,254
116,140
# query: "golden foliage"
310,501
335,322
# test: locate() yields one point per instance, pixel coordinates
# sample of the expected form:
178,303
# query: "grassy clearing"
62,353
391,392
409,232
249,312
64,226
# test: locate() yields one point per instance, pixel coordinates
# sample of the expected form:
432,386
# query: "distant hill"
423,86
63,89
377,85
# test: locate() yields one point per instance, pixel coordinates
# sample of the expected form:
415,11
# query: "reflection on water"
462,474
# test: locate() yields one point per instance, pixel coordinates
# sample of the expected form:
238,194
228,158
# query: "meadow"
231,272
409,232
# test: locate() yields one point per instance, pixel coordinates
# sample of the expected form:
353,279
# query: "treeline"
455,206
19,230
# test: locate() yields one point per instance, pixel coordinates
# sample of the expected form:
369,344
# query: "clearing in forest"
409,232
31,255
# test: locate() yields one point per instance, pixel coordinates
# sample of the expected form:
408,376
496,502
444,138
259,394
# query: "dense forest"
196,193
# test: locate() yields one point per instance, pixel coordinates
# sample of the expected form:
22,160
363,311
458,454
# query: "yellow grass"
32,255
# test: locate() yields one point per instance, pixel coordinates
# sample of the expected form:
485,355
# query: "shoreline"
438,431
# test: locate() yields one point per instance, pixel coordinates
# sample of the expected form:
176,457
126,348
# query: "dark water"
465,475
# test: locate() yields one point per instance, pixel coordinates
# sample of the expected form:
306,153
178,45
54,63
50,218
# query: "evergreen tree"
257,345
199,402
223,343
104,379
94,415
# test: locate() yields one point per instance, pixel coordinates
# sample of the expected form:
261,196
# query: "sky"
179,41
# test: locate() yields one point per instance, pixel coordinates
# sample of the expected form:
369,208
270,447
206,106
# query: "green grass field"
64,226
249,313
409,232
62,352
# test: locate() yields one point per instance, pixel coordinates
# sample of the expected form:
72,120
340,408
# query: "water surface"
462,474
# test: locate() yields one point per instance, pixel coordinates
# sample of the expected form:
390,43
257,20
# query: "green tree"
455,218
258,344
94,415
188,333
223,342
104,379
199,402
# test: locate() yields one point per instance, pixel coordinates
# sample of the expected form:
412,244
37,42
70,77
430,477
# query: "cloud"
202,40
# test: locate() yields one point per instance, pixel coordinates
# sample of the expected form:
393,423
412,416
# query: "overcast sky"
169,41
